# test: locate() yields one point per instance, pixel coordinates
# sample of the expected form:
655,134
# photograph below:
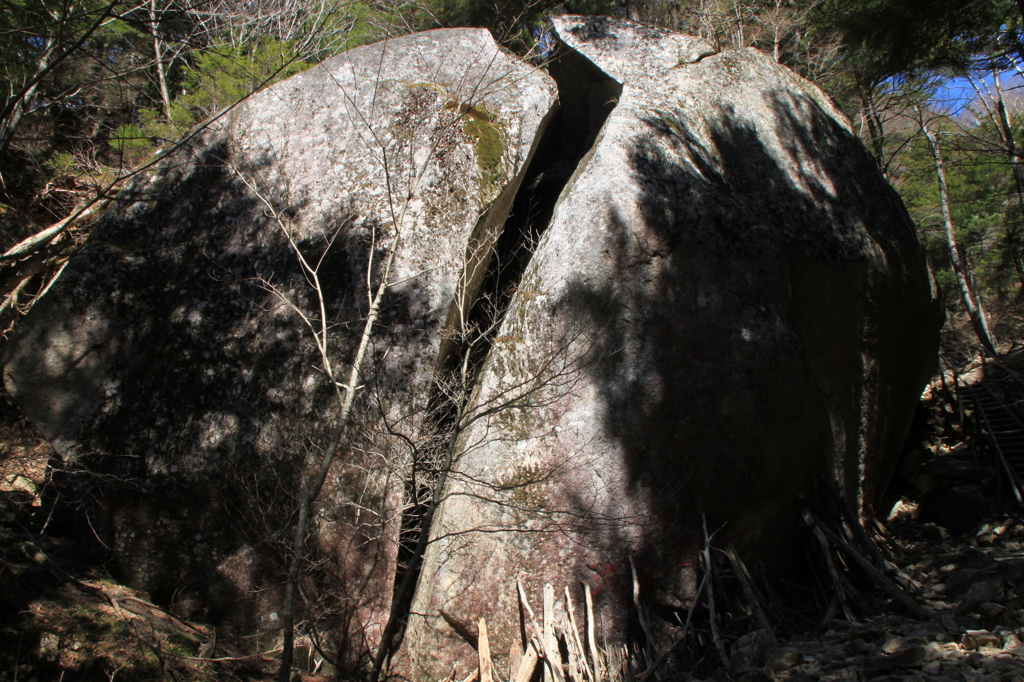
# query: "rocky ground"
972,587
64,618
950,544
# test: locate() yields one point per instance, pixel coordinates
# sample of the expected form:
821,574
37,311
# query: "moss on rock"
486,128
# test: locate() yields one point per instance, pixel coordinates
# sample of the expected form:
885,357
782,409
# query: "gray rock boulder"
171,365
728,300
752,650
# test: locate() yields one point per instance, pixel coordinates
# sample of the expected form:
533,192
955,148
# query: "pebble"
786,658
976,639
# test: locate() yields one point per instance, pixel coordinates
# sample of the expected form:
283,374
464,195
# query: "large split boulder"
728,301
175,364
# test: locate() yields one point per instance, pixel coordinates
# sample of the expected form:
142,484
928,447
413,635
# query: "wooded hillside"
97,90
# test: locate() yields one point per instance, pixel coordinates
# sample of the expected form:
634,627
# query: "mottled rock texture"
187,399
735,300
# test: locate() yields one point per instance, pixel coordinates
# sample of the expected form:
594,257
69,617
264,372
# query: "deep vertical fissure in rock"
586,98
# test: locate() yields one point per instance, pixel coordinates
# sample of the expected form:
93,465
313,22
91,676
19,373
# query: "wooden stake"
852,521
573,671
524,603
528,665
576,634
515,659
616,667
641,612
740,569
553,666
889,586
595,656
484,651
719,645
682,636
840,593
548,637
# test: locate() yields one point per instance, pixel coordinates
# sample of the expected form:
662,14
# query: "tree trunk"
158,60
56,51
10,117
1017,166
972,302
876,130
345,401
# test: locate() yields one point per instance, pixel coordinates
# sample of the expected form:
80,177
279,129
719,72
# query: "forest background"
94,91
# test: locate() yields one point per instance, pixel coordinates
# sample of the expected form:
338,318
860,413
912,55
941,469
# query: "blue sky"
958,93
955,95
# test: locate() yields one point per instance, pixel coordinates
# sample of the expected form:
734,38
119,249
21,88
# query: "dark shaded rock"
963,579
978,594
800,676
729,301
975,558
944,472
786,658
890,644
933,533
959,509
991,613
1011,571
910,657
855,647
763,674
752,650
926,631
1002,666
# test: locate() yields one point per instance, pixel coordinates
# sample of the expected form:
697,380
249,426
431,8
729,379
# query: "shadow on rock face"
762,319
187,398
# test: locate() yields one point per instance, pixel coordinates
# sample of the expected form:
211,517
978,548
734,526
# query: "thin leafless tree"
961,267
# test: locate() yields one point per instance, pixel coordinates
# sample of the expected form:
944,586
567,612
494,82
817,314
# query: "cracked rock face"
172,357
728,301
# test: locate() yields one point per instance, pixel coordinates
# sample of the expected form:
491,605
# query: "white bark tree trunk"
972,302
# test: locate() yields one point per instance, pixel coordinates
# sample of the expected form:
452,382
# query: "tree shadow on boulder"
765,319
